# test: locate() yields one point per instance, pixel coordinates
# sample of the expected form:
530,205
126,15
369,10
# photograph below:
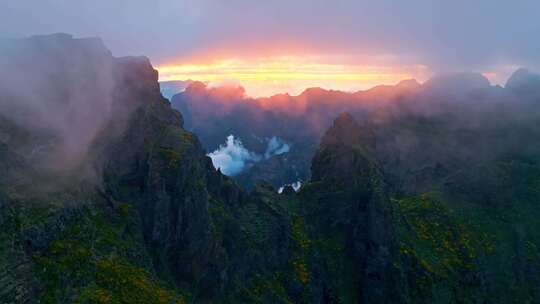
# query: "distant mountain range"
217,112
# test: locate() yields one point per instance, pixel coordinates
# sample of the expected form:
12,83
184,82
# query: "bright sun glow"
288,74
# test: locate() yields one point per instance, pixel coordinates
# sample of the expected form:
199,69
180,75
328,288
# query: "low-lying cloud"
296,186
59,86
232,157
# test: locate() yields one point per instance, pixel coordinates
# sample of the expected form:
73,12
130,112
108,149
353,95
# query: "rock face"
355,204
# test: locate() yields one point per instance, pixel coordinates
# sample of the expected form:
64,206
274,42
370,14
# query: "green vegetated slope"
479,241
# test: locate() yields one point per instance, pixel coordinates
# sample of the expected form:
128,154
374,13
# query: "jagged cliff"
129,219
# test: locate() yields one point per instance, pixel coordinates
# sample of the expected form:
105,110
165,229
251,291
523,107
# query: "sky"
285,45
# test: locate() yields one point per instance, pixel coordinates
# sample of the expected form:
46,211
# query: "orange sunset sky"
286,46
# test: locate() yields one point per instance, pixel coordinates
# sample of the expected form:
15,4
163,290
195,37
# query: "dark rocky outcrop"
352,203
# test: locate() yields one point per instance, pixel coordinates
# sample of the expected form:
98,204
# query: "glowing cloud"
291,74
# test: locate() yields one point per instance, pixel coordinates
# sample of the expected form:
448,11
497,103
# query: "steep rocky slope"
129,221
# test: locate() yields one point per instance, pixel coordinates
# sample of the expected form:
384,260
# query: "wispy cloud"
232,157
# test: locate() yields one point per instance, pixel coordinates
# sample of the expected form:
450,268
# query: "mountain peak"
345,119
313,91
520,72
196,87
346,131
458,81
408,84
523,80
342,148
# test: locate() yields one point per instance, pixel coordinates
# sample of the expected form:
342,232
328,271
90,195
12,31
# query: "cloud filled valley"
462,103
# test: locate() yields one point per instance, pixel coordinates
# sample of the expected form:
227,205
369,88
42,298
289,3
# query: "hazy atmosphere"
338,44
